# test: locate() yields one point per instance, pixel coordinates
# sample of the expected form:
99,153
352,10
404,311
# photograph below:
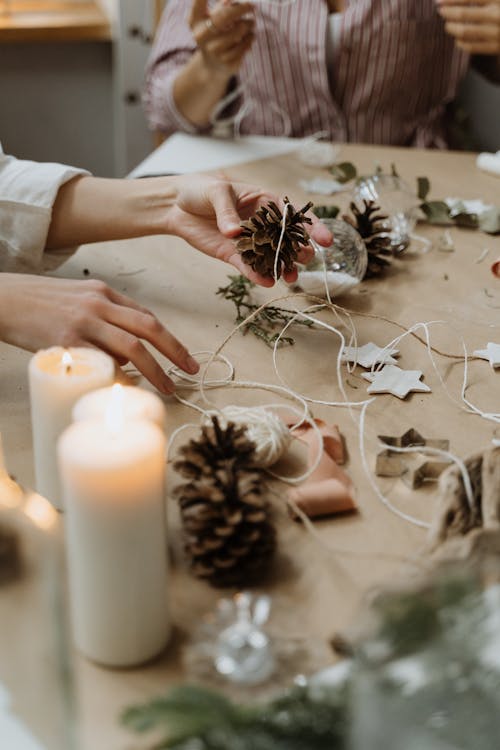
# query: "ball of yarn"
270,435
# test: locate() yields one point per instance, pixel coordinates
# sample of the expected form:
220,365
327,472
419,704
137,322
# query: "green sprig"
265,323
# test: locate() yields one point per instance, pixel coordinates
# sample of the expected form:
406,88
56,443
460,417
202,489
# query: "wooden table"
52,21
315,591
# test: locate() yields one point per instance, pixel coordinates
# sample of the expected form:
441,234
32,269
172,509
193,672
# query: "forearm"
198,88
94,209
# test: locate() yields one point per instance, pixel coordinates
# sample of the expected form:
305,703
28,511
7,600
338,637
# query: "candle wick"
68,369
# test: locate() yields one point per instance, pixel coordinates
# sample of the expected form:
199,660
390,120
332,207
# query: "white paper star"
391,379
491,353
369,354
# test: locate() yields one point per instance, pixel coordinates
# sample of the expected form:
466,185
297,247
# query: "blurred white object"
322,186
317,153
489,163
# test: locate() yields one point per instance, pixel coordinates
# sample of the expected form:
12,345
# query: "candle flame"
40,511
67,362
115,415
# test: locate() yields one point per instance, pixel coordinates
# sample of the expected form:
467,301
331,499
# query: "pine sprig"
192,717
270,318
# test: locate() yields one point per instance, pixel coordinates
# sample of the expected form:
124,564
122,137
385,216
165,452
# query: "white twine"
270,435
280,242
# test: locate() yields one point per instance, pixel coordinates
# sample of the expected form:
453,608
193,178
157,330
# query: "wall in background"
56,103
79,102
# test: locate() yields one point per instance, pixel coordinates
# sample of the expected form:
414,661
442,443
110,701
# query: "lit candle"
57,378
137,403
113,478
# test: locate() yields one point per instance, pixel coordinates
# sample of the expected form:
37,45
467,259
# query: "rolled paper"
325,498
495,268
328,490
489,163
113,477
137,403
57,379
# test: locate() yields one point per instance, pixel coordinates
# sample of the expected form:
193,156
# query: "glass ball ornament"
396,201
337,268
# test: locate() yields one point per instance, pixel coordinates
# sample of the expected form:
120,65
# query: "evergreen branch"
269,319
189,716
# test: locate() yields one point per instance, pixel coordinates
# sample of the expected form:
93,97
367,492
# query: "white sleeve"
27,193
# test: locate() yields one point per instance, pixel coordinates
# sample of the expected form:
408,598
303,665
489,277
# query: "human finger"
473,32
124,345
442,3
480,48
147,326
225,15
199,12
224,202
218,42
236,53
470,14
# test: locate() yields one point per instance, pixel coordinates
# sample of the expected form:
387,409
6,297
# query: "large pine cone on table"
228,535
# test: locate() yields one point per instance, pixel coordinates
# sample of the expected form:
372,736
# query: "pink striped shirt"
393,70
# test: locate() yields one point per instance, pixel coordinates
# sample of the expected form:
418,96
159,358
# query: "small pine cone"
372,228
229,538
259,240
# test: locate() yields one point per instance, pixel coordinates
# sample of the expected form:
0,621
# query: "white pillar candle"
57,378
137,403
113,480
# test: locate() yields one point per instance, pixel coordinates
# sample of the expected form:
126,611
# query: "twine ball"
270,435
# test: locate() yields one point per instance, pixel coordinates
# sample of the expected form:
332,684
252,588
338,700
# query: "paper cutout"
391,379
491,354
369,354
329,490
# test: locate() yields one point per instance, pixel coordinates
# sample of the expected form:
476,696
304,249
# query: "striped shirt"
391,72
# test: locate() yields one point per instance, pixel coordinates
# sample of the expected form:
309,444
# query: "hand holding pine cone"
260,238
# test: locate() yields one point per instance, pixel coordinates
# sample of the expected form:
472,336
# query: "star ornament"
391,379
369,355
491,353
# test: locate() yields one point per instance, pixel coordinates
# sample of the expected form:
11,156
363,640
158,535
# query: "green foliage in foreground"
193,718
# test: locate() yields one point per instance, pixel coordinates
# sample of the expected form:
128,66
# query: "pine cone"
229,537
259,240
372,229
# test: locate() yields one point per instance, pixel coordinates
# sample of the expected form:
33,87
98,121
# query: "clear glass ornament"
396,200
339,267
36,693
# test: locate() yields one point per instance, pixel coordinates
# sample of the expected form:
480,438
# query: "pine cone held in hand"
259,240
229,538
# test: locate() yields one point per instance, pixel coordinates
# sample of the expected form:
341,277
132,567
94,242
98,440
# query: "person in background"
47,208
355,70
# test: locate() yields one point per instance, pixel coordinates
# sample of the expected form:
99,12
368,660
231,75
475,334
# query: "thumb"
224,203
199,12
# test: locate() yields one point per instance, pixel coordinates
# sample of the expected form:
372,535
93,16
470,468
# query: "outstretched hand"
208,214
475,24
87,313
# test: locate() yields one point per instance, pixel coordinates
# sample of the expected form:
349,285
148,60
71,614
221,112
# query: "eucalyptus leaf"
423,187
437,212
326,212
344,172
465,220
